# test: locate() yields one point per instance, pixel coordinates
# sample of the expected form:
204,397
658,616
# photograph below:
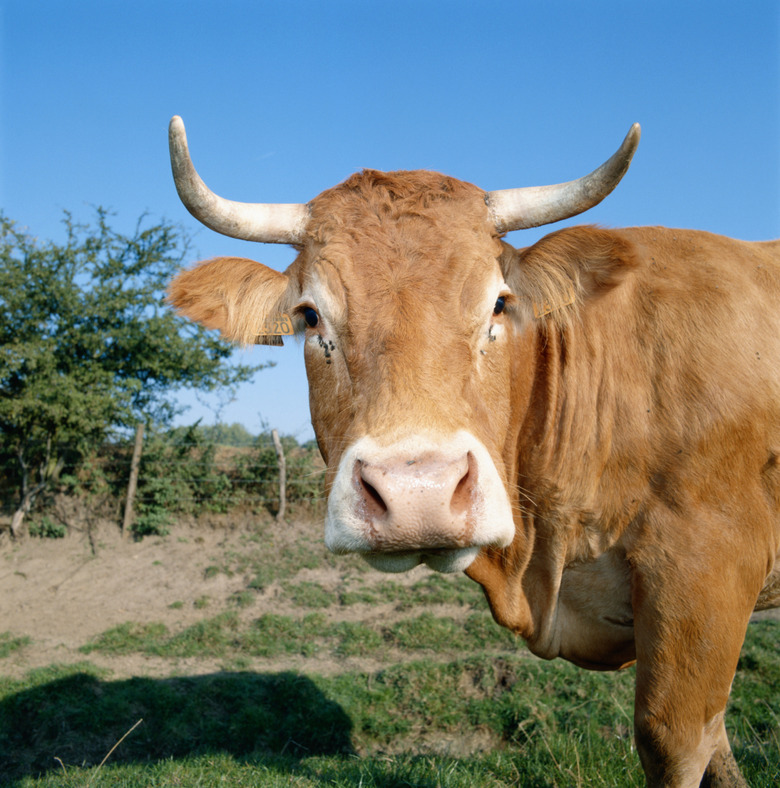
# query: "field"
241,653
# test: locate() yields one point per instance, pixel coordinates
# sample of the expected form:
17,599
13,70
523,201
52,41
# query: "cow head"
413,339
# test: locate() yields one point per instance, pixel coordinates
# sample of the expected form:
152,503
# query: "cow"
588,427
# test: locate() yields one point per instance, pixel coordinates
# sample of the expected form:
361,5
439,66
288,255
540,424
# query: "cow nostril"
371,503
374,497
463,496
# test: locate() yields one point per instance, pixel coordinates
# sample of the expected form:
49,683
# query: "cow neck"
561,515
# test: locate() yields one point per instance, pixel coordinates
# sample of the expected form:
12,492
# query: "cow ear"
606,259
570,266
240,298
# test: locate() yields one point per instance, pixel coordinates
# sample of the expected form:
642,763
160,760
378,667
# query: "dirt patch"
61,593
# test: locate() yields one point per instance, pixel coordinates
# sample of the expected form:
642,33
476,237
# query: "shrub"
45,528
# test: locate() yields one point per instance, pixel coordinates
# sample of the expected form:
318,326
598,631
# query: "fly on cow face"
326,347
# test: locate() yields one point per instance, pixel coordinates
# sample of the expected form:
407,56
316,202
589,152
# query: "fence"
160,475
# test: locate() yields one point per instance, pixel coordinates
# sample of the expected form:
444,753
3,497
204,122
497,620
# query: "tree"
88,345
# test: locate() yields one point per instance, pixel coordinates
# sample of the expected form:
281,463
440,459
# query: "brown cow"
588,427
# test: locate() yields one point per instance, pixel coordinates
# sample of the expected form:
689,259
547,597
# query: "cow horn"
532,206
263,222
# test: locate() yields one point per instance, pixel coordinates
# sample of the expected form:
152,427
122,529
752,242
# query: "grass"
9,643
267,556
308,594
541,724
474,710
304,726
128,638
432,590
270,635
242,599
336,772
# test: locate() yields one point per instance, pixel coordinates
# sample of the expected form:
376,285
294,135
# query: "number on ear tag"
274,329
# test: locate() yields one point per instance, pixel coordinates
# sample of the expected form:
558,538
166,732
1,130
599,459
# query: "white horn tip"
634,134
176,126
518,209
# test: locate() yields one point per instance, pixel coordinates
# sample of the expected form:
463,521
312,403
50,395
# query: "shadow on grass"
76,718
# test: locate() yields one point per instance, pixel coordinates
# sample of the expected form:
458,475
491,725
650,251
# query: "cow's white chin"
446,561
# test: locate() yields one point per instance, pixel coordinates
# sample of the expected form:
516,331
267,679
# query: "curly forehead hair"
377,196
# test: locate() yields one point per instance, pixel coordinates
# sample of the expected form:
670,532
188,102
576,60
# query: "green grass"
308,594
544,724
270,553
491,771
9,643
475,709
431,590
356,639
266,556
279,722
432,633
128,638
272,635
224,635
242,599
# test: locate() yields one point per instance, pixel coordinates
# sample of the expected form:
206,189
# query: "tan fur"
234,295
636,429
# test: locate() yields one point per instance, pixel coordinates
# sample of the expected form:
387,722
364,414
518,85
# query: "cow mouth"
440,559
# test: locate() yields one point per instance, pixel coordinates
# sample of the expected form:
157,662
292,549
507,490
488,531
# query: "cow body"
652,433
588,427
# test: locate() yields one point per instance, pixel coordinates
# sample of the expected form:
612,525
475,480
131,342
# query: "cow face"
406,321
412,339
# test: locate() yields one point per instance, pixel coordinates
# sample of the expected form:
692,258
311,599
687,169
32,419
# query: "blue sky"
284,99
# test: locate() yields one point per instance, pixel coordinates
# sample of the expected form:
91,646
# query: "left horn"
532,206
277,223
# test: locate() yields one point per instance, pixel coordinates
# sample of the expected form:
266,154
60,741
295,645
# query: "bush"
260,470
184,471
179,474
45,528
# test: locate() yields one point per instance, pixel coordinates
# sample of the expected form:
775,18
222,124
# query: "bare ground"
62,592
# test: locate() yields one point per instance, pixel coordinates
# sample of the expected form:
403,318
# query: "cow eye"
499,307
311,317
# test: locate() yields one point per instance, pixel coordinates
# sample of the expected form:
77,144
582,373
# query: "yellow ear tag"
274,329
540,310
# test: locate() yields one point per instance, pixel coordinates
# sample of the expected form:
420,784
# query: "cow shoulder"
236,296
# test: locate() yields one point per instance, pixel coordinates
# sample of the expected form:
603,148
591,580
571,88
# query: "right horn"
532,206
264,222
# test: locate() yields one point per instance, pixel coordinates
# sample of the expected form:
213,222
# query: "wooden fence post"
133,483
282,475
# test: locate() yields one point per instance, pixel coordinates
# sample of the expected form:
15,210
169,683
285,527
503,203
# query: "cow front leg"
683,768
688,632
676,757
680,741
722,770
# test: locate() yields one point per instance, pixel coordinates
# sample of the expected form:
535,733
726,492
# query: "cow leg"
722,770
689,624
681,743
674,757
